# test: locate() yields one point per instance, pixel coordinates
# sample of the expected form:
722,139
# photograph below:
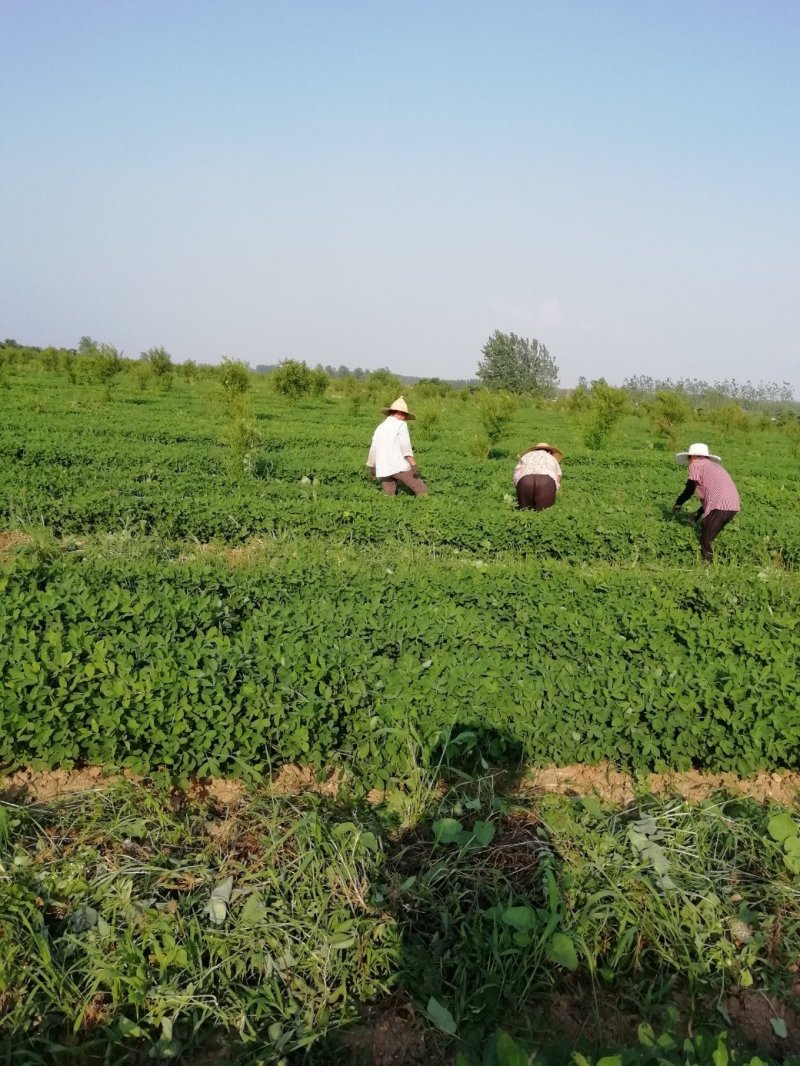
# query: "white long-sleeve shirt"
391,444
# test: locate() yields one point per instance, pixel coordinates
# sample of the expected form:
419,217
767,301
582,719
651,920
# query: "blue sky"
387,183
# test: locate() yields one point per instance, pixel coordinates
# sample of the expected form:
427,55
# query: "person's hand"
371,472
415,470
697,515
676,508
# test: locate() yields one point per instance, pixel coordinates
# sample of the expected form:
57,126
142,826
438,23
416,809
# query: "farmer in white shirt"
390,458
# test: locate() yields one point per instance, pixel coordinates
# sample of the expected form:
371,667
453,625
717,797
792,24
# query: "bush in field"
160,362
607,409
142,374
668,411
495,410
319,382
428,414
189,370
106,365
292,379
731,418
234,376
69,364
579,399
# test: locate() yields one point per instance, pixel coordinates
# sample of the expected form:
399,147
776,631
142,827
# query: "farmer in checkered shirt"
716,491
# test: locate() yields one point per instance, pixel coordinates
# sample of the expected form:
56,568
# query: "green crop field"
198,583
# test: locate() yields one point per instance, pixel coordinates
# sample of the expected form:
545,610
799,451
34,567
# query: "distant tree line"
703,393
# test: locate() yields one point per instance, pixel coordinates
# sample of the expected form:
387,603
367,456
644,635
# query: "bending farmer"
390,456
537,477
716,491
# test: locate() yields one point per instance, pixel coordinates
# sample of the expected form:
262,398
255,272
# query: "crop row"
200,668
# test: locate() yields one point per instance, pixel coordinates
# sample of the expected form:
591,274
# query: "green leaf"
83,918
370,842
484,832
792,862
778,1027
446,830
781,826
217,906
508,1052
441,1017
719,1055
610,1060
745,979
523,919
129,1029
561,949
253,911
646,1035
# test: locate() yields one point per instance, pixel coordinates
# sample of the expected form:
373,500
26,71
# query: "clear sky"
376,183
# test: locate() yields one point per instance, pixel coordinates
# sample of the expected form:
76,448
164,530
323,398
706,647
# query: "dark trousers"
535,492
711,526
406,478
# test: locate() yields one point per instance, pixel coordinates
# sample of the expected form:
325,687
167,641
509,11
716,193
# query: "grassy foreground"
138,924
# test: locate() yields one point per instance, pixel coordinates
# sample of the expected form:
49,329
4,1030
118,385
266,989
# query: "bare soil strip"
603,780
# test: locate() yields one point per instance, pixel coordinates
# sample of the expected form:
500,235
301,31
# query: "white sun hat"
700,450
399,405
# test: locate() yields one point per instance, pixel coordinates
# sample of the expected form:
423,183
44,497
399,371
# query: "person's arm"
371,460
687,494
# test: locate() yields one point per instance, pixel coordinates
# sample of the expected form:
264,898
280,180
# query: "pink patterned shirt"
714,486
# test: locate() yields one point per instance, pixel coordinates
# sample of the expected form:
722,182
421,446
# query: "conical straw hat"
398,405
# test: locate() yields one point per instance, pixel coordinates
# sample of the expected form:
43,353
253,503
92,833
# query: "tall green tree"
517,364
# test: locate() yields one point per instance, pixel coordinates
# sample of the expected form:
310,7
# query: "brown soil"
603,1022
10,540
619,788
391,1035
601,780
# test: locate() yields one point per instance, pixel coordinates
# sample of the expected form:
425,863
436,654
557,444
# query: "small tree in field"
517,365
319,382
106,365
495,410
234,376
608,407
160,363
292,379
668,411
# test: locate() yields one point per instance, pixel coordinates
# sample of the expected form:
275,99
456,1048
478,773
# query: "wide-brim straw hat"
699,450
398,405
543,446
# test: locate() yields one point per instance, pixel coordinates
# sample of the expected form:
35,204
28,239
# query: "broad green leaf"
508,1052
719,1055
253,911
561,949
370,841
610,1060
781,826
446,830
778,1027
522,918
441,1017
792,862
83,918
217,906
129,1029
484,832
